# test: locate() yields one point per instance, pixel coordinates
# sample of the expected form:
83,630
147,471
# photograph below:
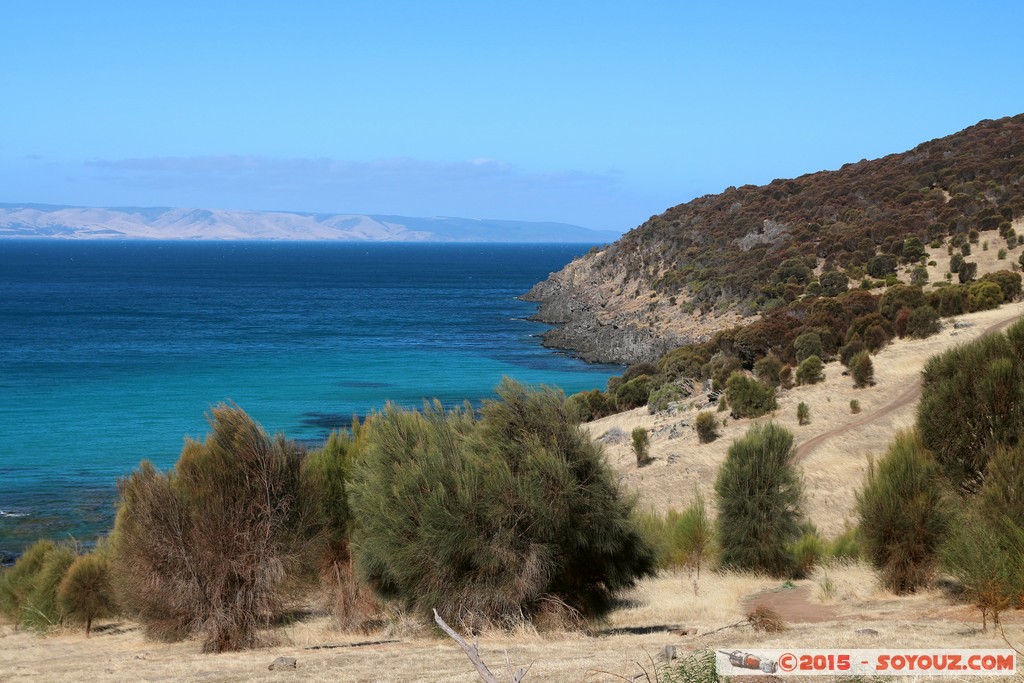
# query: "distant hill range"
707,264
75,222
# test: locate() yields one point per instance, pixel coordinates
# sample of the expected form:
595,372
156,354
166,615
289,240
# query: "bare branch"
471,650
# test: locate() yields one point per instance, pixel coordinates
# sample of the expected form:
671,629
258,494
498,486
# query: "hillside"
707,264
34,221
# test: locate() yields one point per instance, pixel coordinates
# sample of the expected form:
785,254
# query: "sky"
595,113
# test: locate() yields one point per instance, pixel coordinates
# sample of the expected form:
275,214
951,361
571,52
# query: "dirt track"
909,396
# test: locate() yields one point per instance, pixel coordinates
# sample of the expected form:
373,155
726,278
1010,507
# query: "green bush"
923,322
973,401
85,593
854,406
806,345
900,296
1002,494
848,352
811,371
847,546
759,501
633,393
1008,281
984,296
209,548
664,395
808,552
592,405
968,271
903,515
955,261
862,369
28,590
803,413
706,425
749,398
494,518
641,443
767,369
682,362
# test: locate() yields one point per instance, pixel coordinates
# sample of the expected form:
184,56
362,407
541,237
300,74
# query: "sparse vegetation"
854,406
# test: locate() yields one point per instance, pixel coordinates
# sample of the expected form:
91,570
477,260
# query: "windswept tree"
208,548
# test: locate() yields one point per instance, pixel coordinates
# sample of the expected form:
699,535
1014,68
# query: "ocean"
113,352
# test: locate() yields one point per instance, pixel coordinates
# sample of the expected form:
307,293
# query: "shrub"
209,547
834,283
758,502
808,551
986,555
767,369
641,443
786,377
955,262
862,369
923,322
706,425
1001,254
485,517
972,401
854,406
1009,283
882,265
811,371
682,362
967,272
696,535
919,276
902,514
806,345
984,296
848,352
900,296
592,405
28,590
846,546
85,593
633,393
749,398
803,413
1002,494
663,396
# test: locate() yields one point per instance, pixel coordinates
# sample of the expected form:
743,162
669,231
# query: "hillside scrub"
494,518
759,497
210,547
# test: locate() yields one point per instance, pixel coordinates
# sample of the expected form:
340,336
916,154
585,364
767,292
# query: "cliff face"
722,259
607,316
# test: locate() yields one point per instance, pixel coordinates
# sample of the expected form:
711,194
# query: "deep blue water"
111,352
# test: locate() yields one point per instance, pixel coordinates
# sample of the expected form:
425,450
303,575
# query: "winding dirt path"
909,396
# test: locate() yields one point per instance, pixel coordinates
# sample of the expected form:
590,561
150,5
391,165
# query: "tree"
86,593
903,514
759,502
494,517
209,548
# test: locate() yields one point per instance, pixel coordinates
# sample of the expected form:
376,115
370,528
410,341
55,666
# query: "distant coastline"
45,221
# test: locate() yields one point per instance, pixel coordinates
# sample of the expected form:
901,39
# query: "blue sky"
594,113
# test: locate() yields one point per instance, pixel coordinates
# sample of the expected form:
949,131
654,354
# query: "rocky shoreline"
584,326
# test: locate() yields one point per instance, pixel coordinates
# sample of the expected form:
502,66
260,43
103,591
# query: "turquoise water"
113,352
